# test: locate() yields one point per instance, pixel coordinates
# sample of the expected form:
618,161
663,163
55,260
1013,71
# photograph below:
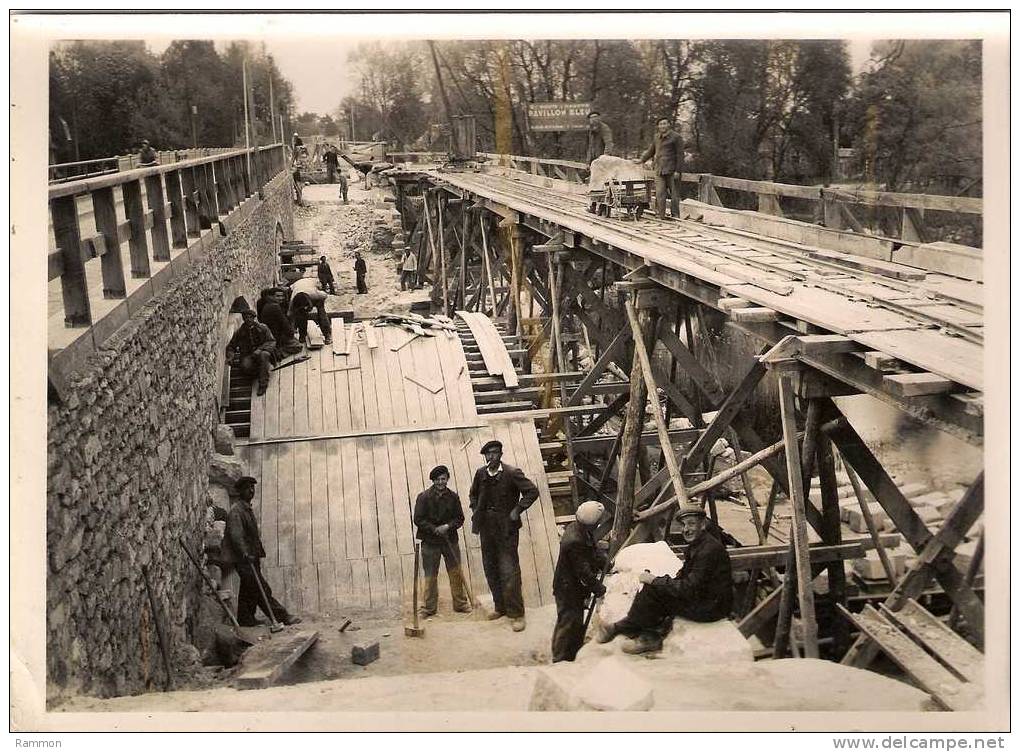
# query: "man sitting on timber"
270,312
252,348
576,577
438,516
702,591
242,547
499,495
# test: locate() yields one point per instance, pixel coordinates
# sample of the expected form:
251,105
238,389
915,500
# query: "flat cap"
493,444
244,480
439,470
691,509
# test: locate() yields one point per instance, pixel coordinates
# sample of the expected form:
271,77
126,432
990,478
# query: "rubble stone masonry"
128,451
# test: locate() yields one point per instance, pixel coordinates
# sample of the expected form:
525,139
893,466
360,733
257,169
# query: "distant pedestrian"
326,280
667,148
438,516
343,185
242,547
298,183
409,270
600,137
331,159
147,156
360,273
252,349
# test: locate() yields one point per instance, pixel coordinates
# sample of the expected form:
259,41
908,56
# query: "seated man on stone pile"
702,590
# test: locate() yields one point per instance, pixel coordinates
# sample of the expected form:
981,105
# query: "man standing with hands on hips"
499,494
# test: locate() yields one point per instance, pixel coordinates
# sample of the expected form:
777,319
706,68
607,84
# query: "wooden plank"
265,663
874,266
394,580
370,335
400,494
286,422
464,448
377,582
342,396
366,498
268,509
431,387
319,500
917,384
342,583
361,594
542,514
314,377
928,673
384,497
366,381
303,503
391,364
753,315
334,499
301,406
285,507
406,364
328,604
959,655
327,389
308,582
270,408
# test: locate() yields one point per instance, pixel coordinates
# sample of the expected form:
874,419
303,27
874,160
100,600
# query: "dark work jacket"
433,508
703,590
272,315
493,498
324,271
579,563
360,267
241,537
248,339
600,141
668,151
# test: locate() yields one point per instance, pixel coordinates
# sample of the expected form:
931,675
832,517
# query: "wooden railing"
169,205
65,171
560,169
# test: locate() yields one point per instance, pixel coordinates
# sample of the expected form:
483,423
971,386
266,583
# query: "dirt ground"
338,230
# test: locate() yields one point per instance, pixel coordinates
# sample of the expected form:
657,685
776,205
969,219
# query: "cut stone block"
870,567
928,513
552,691
363,653
913,489
855,518
223,439
932,499
611,686
622,585
714,643
225,470
844,508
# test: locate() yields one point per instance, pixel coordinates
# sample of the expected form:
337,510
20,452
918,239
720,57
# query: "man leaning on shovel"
242,547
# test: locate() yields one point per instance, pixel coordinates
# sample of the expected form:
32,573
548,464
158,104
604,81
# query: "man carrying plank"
499,495
242,547
576,577
438,516
702,591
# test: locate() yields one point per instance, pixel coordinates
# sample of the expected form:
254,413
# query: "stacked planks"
490,344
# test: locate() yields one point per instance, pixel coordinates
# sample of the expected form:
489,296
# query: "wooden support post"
608,355
630,442
73,284
516,240
869,521
972,570
157,205
799,523
138,244
784,619
831,534
190,191
464,250
442,255
178,213
108,226
555,281
643,360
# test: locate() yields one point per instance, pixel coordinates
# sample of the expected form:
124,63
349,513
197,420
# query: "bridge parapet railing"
152,211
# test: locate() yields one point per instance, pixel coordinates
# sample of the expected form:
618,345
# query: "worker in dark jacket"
438,516
325,274
499,495
331,158
360,272
252,348
147,155
702,591
270,312
576,578
668,150
600,137
242,547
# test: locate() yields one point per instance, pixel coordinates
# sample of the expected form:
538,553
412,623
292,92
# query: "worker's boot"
645,643
493,615
518,624
606,633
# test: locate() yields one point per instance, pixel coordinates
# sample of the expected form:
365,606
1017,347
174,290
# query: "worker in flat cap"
577,577
499,494
701,591
242,547
438,516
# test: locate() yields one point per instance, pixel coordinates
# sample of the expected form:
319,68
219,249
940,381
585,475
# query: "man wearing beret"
701,591
499,495
242,547
438,516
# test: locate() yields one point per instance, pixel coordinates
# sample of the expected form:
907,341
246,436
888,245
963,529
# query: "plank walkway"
341,455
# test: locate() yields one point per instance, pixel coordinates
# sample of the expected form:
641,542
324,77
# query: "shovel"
464,577
274,625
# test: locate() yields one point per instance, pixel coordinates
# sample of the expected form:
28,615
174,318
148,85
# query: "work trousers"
568,634
667,184
328,285
256,366
249,598
362,286
298,189
406,279
448,550
502,569
330,172
321,318
343,188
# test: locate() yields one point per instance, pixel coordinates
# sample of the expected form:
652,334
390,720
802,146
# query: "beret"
494,444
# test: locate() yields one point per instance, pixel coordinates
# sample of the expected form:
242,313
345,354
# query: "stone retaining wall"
129,445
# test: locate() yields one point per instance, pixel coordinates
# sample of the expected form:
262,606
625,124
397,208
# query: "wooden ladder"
937,659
